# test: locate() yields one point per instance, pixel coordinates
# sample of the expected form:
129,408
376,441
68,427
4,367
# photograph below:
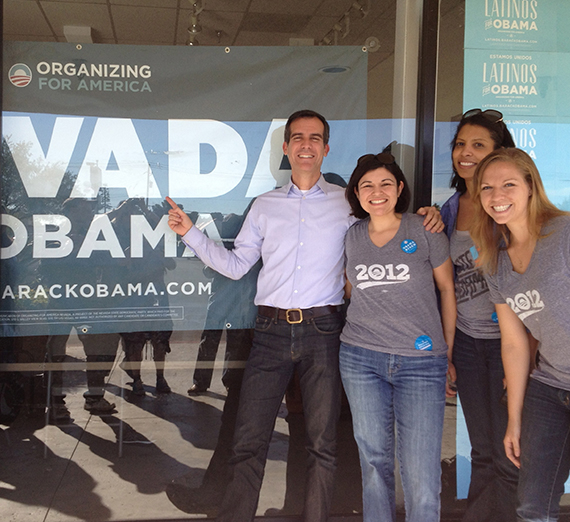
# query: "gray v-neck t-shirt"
393,306
476,315
541,299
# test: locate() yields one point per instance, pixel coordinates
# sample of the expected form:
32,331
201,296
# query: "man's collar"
321,184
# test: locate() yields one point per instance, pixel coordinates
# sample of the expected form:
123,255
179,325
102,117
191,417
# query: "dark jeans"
347,496
311,348
217,475
545,452
492,491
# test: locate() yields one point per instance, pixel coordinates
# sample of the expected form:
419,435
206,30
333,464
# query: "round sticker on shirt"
494,317
423,342
409,246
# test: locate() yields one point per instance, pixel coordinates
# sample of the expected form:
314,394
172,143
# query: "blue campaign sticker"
423,342
409,246
494,317
474,253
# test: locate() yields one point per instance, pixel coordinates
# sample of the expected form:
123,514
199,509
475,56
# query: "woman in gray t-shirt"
477,345
524,243
395,346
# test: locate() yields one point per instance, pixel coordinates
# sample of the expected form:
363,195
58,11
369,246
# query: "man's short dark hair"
306,113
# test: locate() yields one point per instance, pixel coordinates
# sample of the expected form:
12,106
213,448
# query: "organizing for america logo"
82,76
20,75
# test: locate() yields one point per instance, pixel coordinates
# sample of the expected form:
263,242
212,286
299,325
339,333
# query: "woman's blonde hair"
490,237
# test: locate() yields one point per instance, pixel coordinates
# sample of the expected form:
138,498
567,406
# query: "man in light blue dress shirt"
298,231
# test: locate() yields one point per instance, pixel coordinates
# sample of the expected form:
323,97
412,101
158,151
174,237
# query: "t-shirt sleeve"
494,294
438,247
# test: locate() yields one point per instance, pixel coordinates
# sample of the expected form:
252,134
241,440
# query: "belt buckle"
294,310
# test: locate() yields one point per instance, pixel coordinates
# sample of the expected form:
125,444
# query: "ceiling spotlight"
194,26
192,40
360,8
372,44
197,7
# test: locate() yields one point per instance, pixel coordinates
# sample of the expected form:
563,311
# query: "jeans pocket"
328,324
262,323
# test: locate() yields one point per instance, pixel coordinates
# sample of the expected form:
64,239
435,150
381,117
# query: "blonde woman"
524,249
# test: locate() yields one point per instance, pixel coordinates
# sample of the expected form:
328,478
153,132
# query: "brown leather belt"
297,315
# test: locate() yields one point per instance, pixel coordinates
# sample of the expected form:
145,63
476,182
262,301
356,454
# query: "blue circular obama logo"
20,75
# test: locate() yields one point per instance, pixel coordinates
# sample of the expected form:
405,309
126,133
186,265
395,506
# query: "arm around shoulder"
432,219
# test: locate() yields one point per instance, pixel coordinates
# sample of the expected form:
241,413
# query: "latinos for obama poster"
517,60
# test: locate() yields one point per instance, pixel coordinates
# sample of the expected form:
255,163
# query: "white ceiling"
248,22
224,22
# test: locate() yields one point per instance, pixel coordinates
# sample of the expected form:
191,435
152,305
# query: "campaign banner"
517,25
96,136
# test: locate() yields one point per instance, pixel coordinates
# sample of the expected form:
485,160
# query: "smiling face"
306,148
378,192
505,194
473,143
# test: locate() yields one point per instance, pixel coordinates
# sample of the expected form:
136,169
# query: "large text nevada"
45,159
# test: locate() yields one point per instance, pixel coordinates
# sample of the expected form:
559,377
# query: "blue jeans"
493,487
545,452
310,348
384,390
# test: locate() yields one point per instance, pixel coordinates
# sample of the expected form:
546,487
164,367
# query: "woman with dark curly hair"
477,346
395,347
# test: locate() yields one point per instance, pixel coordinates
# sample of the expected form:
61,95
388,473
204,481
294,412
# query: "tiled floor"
81,470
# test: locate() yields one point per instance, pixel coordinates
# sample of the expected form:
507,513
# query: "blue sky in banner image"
546,142
219,166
